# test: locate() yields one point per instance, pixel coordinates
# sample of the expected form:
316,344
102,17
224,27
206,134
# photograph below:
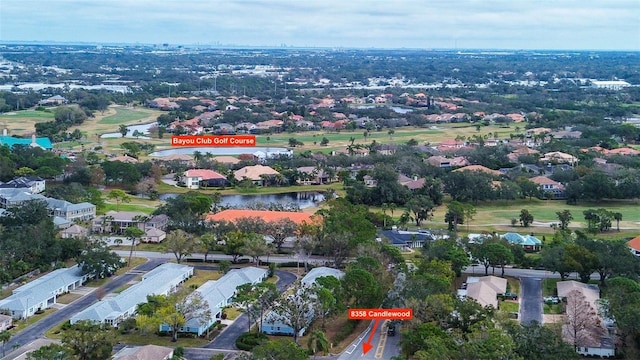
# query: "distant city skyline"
423,24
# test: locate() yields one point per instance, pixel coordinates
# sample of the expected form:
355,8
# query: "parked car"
391,330
551,300
509,296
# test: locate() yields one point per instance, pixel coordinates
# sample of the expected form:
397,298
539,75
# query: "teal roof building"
41,142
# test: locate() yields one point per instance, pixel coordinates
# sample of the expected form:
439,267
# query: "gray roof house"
68,211
42,292
162,280
219,294
273,323
5,322
74,231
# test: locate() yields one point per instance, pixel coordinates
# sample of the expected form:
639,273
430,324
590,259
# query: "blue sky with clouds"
490,24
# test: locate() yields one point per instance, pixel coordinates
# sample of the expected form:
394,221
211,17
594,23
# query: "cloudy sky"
489,24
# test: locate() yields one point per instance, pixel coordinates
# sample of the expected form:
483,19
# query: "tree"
5,336
613,258
89,341
583,324
280,230
234,244
498,254
208,243
133,234
100,262
422,208
535,341
181,307
181,244
119,196
317,342
51,352
617,217
224,266
296,309
529,188
454,215
256,247
525,218
123,130
554,259
565,218
448,251
623,295
361,288
256,299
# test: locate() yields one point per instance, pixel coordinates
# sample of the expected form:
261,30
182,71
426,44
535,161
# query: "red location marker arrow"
367,346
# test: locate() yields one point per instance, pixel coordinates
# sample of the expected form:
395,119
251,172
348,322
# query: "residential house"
219,294
154,235
256,174
558,157
42,293
196,178
227,160
369,181
412,183
6,322
528,242
445,162
74,231
549,186
32,184
484,290
273,323
596,340
162,280
311,175
479,168
522,151
71,212
53,101
634,245
118,221
146,352
124,158
408,239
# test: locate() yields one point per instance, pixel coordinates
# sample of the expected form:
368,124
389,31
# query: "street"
383,346
530,300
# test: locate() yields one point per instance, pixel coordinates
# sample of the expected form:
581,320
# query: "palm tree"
617,216
385,207
5,336
318,342
134,234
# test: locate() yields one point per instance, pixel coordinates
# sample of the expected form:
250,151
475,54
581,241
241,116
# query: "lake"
397,109
143,128
269,151
303,199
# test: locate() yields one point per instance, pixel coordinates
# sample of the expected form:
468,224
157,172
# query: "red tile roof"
205,174
266,215
634,243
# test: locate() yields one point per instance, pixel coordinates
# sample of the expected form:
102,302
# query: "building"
41,142
146,352
549,186
118,221
154,235
233,215
256,174
57,208
408,239
311,175
32,184
219,294
445,162
6,322
597,340
273,323
485,289
74,231
634,245
196,178
162,280
528,242
610,84
558,157
42,293
479,168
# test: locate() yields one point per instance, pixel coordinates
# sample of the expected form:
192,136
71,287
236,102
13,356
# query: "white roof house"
219,293
485,289
42,292
315,273
162,280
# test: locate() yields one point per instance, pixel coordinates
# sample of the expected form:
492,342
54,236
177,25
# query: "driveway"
530,300
227,338
38,329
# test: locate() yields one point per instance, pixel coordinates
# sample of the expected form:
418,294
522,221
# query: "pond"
142,128
397,109
303,199
269,151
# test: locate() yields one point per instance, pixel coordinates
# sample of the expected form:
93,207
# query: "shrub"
345,331
248,341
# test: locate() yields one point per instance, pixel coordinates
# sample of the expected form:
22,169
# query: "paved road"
530,300
169,256
520,273
227,339
38,329
384,347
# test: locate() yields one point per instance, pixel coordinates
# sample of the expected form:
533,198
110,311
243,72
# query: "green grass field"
20,122
123,116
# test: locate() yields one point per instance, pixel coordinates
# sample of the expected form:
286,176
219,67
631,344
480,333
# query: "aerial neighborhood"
494,194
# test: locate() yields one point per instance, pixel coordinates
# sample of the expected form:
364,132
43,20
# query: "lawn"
68,298
21,122
549,287
20,325
124,115
513,285
201,276
232,312
552,309
509,306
